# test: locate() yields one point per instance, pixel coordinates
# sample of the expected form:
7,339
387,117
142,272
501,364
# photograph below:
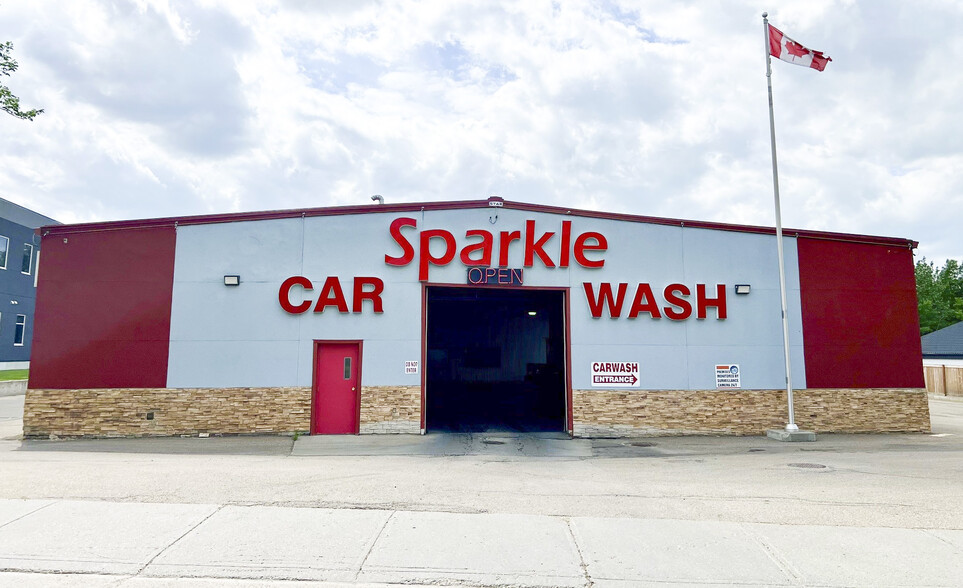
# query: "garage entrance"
495,359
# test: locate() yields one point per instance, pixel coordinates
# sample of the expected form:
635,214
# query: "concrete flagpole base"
791,435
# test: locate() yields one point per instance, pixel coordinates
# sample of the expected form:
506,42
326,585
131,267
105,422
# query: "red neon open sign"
494,276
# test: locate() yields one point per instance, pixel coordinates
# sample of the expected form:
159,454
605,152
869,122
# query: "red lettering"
581,246
425,257
533,247
644,302
684,306
563,254
331,295
485,246
407,251
719,302
284,294
479,250
504,240
374,295
605,298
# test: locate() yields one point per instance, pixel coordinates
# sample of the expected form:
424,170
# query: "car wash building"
473,315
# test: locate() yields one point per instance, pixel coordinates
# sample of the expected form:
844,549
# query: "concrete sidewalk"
145,544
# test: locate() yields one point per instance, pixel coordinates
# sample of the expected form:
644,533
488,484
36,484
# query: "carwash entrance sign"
615,374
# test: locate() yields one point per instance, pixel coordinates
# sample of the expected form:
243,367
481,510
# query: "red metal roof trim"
461,205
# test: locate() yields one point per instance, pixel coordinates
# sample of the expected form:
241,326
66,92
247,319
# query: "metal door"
336,388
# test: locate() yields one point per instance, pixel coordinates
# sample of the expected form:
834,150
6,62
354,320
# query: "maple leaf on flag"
786,49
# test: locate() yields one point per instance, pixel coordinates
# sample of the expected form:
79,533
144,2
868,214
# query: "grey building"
19,259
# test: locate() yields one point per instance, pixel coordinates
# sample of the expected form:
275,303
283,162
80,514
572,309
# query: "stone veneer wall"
122,412
397,409
391,409
624,413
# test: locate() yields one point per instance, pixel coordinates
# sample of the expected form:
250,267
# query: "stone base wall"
397,409
122,412
390,409
626,413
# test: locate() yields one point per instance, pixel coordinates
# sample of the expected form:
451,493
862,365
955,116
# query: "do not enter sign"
615,374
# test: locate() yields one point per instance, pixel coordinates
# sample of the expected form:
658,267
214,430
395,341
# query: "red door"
336,383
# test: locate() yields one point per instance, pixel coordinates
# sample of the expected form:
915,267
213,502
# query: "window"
27,258
4,245
21,327
347,368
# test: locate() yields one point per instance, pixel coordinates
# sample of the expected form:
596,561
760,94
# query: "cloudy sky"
160,108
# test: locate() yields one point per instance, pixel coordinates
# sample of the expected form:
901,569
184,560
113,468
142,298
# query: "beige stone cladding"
625,413
390,409
122,412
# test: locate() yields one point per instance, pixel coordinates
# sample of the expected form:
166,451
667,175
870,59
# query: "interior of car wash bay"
495,359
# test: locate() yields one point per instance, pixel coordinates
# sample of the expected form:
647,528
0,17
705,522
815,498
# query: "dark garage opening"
495,360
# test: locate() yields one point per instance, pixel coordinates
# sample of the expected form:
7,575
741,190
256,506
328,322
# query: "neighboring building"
19,259
943,360
474,315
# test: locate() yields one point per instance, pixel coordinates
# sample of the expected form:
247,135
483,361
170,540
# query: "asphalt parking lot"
486,510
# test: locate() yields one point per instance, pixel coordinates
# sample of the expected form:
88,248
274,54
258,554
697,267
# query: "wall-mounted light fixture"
742,288
232,280
532,313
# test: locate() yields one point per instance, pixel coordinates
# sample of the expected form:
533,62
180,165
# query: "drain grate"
756,450
642,444
810,466
492,442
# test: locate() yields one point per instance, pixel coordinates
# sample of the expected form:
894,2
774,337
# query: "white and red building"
467,315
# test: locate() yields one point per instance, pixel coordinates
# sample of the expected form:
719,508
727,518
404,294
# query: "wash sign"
615,374
728,376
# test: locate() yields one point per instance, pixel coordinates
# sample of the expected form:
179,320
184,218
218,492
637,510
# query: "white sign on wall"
728,376
411,367
615,374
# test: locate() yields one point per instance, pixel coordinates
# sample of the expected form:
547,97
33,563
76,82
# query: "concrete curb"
13,388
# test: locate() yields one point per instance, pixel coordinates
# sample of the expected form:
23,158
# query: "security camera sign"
615,374
728,376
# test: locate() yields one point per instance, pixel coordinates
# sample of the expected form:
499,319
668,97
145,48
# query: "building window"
21,328
27,258
4,245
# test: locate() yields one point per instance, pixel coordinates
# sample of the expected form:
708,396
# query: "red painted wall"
859,315
104,309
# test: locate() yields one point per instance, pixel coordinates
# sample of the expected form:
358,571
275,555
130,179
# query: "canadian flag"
786,49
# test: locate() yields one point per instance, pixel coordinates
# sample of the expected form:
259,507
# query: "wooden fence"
943,380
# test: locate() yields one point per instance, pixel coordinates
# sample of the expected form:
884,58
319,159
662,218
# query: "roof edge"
494,202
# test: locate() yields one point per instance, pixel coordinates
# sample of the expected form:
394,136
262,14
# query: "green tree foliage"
940,294
8,102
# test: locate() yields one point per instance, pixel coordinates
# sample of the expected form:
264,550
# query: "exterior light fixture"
532,313
378,198
742,288
232,280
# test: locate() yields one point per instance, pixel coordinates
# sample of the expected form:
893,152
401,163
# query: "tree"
8,102
940,294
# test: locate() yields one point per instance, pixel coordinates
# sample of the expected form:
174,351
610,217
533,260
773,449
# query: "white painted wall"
239,336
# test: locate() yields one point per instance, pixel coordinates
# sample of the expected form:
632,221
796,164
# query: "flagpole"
791,425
